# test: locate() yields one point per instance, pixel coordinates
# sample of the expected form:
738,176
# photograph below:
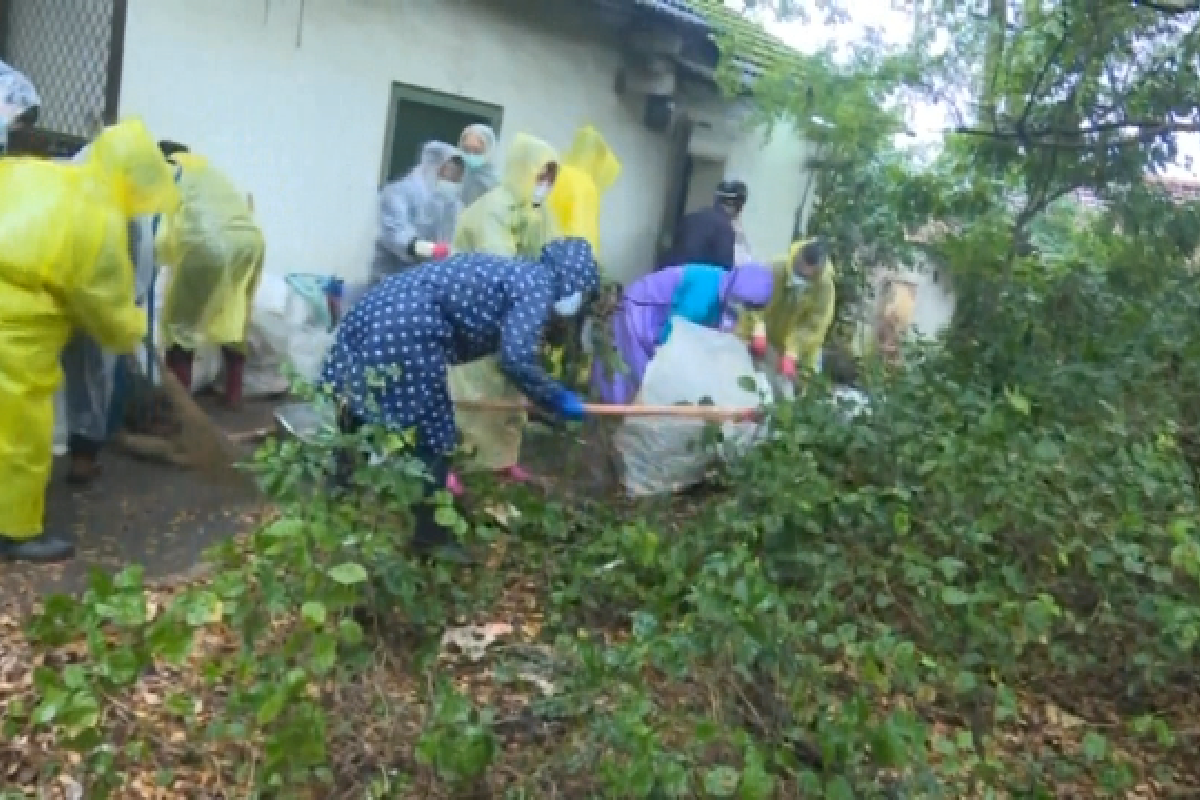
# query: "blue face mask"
474,160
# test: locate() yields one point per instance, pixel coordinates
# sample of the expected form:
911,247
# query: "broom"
201,443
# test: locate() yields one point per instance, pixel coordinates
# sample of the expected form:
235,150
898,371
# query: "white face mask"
539,193
797,282
569,306
448,188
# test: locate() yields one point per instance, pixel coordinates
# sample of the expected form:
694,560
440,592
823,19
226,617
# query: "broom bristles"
200,440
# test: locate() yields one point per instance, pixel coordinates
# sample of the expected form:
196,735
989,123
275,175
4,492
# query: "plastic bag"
268,340
658,455
308,318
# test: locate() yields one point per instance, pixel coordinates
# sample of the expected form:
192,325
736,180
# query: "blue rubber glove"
569,406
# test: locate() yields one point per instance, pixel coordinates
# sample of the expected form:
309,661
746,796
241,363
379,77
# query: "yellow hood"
527,156
592,155
134,167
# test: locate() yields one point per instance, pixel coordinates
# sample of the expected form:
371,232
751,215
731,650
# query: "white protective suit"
17,95
481,179
413,209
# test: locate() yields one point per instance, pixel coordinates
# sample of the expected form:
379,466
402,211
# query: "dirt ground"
137,512
164,518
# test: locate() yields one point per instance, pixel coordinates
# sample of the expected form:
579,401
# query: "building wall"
294,108
773,166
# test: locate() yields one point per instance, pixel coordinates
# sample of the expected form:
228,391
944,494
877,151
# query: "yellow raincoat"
588,171
64,263
503,222
215,252
794,322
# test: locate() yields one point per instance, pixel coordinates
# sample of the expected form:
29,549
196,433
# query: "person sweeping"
215,252
64,264
390,361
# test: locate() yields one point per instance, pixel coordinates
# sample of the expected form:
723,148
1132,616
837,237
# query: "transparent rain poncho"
479,180
504,222
214,250
17,95
412,209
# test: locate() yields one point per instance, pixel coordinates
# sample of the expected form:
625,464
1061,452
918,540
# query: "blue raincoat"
390,358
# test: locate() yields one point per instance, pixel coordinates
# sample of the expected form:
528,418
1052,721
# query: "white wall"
774,171
295,110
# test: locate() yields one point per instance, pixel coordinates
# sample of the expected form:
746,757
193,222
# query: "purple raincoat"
645,308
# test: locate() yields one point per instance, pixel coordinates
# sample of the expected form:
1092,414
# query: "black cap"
732,192
170,148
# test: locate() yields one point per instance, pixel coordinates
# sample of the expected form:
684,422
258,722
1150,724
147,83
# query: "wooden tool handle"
710,413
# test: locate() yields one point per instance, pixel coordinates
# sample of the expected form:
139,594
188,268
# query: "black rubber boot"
45,548
84,456
431,540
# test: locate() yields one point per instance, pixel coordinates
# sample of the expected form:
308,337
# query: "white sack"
268,339
659,455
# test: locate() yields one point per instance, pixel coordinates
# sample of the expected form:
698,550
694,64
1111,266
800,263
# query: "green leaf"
350,631
722,782
348,574
953,596
445,516
747,383
1095,746
324,654
314,613
48,709
272,706
1017,401
204,608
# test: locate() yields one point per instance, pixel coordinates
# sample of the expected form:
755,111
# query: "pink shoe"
454,485
516,473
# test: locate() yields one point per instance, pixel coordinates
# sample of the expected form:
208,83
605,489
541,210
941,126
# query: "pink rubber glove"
787,367
440,250
758,346
516,473
454,485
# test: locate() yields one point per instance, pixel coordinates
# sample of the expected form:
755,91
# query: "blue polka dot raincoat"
392,351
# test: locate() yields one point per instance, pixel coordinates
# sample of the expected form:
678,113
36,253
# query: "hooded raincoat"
17,95
215,253
504,222
393,351
88,369
700,293
64,263
413,209
479,178
796,320
588,171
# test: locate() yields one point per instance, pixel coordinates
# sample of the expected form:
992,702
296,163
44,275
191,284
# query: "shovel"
705,413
